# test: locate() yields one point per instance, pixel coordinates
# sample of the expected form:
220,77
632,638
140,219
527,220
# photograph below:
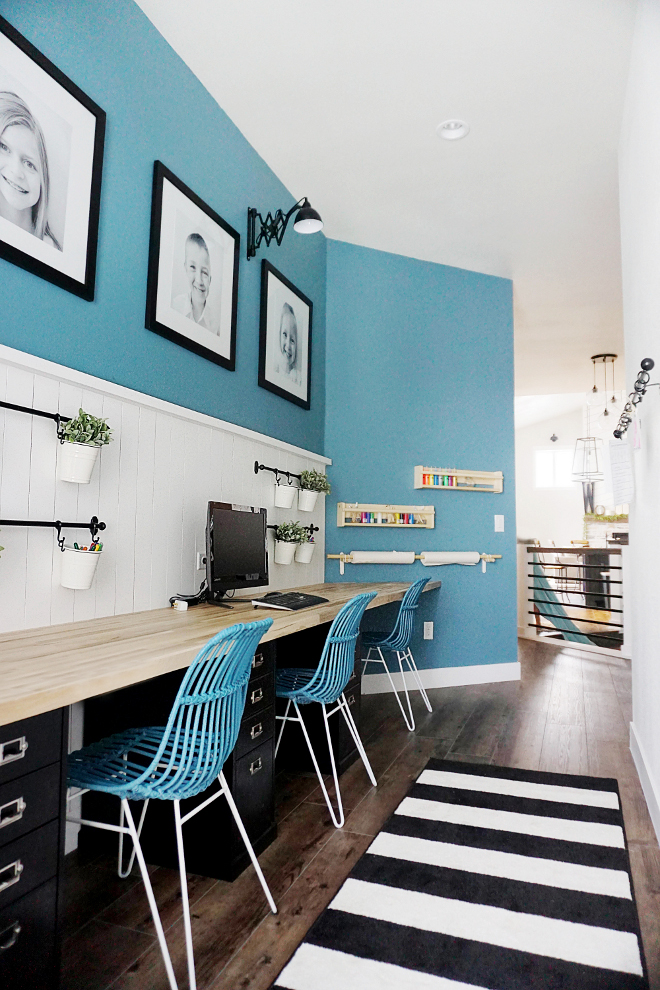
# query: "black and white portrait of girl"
285,343
51,153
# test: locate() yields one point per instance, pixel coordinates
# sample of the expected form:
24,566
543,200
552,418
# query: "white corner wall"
150,486
640,233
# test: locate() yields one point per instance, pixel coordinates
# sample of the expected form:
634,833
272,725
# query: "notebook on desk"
289,601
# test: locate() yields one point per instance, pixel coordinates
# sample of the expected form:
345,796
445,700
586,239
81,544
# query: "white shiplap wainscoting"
150,486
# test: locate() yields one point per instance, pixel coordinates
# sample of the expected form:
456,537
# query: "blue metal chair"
398,641
179,760
325,685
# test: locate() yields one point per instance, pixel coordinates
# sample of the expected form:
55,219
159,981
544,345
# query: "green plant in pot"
81,440
288,536
312,484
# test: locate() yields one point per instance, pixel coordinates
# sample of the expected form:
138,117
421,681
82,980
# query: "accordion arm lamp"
274,226
587,468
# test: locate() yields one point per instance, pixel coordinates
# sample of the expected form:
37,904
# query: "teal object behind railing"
552,605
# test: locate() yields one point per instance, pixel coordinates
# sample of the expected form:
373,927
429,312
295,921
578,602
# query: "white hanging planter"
307,500
304,553
284,552
284,496
78,568
76,461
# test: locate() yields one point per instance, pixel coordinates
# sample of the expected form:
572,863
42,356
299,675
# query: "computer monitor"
236,548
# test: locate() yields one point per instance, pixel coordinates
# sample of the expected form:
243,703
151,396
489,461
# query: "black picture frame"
218,345
64,248
277,293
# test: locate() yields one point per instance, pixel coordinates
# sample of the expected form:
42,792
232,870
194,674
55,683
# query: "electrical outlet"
499,524
428,630
201,562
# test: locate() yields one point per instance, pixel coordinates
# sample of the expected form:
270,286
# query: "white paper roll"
434,558
383,557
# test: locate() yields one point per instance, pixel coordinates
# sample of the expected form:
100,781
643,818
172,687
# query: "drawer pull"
9,875
351,699
256,766
13,749
257,660
12,811
256,730
9,936
257,695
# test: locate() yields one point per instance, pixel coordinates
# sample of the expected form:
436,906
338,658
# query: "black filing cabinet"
213,845
32,793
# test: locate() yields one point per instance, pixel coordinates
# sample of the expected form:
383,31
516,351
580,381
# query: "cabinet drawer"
252,788
255,729
30,744
27,802
260,694
28,862
27,941
263,661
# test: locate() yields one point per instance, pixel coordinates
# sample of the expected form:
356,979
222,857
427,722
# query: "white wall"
551,515
640,230
150,487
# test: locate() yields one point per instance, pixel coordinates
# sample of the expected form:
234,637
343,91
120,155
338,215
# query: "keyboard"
290,601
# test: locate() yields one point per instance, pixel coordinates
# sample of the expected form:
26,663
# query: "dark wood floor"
570,713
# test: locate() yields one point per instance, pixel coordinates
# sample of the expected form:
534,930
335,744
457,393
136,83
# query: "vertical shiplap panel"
172,526
84,602
198,490
14,498
66,508
104,585
144,507
163,528
127,512
42,543
150,485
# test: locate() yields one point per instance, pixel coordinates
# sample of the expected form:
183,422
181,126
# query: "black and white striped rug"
484,877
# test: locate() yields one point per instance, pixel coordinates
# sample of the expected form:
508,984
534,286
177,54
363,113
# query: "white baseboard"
650,793
440,677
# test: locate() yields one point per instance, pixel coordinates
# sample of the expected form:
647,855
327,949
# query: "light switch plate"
499,524
428,630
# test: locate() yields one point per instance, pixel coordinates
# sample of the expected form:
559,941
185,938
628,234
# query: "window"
552,468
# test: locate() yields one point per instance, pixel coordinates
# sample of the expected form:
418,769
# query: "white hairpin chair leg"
284,718
120,857
352,727
150,896
337,819
410,721
246,840
415,672
192,982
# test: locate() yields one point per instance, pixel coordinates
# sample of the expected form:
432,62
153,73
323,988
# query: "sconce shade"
307,220
586,460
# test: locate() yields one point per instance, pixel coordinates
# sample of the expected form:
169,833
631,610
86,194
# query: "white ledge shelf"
379,516
457,480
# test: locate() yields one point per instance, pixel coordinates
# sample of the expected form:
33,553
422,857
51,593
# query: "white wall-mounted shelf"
457,480
378,516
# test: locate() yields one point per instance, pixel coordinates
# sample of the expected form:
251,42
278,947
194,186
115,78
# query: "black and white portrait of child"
34,152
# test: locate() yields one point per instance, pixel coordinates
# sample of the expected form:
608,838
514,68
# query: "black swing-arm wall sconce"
273,227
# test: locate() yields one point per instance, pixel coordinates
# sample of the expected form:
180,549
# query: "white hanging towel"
383,557
434,558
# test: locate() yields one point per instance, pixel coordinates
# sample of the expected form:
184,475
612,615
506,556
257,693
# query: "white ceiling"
342,98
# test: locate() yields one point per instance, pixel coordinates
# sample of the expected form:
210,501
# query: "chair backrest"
399,638
338,658
206,716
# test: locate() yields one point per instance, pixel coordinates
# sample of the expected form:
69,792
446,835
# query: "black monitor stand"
216,599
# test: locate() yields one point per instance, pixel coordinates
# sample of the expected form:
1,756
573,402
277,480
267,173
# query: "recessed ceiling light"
453,130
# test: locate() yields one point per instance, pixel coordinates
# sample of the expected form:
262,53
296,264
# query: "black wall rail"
38,412
276,471
311,529
94,526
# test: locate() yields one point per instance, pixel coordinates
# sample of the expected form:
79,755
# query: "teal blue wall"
157,109
420,371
